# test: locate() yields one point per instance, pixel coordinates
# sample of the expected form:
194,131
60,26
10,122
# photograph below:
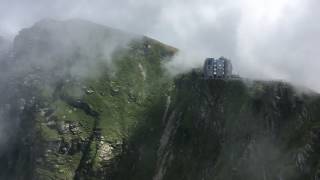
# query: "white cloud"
264,38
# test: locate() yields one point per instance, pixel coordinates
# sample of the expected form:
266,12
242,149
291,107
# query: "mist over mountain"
81,100
4,47
266,39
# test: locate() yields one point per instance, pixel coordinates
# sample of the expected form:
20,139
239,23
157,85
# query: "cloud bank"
266,39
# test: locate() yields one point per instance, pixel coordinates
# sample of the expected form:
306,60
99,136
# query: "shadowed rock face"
232,130
121,117
228,130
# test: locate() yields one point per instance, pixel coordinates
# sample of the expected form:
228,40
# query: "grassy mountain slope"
83,90
96,103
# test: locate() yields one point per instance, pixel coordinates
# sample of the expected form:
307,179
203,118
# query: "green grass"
138,76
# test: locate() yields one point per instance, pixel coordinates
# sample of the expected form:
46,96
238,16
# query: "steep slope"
255,132
85,101
233,130
79,90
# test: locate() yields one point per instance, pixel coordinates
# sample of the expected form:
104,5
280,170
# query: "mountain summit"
84,101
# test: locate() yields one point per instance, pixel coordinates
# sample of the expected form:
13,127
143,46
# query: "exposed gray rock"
74,128
114,91
90,91
63,127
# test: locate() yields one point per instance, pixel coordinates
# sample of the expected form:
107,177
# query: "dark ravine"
126,119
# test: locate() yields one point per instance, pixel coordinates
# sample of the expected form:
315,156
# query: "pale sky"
265,39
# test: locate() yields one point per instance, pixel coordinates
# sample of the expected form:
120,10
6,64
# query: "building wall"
217,68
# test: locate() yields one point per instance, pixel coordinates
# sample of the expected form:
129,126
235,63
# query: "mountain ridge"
90,109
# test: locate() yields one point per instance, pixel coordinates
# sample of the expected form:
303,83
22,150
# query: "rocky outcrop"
126,119
232,130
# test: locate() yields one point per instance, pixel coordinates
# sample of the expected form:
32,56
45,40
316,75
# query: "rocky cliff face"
90,102
232,130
